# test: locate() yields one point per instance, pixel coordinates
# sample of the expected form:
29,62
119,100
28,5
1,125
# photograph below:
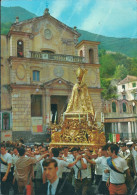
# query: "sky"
113,18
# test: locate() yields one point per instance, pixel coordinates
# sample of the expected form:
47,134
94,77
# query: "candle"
55,117
79,117
50,116
101,117
87,116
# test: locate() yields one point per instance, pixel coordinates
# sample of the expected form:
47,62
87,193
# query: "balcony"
56,57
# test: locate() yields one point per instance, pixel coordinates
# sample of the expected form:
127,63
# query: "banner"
117,137
110,137
114,138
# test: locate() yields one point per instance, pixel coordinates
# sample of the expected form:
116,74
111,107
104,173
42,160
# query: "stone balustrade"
56,57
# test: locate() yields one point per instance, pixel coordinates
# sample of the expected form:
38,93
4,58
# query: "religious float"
79,127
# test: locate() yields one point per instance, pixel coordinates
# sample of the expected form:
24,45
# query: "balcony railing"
56,57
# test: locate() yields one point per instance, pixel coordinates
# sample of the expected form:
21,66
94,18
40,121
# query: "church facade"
39,58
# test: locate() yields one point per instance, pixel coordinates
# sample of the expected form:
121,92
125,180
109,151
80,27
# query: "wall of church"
21,110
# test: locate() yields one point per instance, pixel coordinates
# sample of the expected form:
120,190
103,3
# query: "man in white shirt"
61,163
6,175
67,172
80,171
117,168
102,188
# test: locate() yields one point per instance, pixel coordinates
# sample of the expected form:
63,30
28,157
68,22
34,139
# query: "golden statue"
79,127
80,101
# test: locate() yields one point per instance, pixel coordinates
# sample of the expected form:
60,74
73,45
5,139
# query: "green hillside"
126,46
8,14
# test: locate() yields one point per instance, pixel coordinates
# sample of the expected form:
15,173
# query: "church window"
113,107
133,84
123,87
124,107
134,109
36,75
36,105
91,56
5,121
81,53
20,48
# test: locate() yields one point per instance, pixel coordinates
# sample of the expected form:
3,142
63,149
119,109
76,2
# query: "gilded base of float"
91,146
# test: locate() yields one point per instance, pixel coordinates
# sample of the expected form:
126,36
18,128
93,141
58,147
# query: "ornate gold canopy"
79,127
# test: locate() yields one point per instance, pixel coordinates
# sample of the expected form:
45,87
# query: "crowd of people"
44,170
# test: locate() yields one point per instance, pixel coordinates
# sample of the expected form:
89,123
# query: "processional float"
79,127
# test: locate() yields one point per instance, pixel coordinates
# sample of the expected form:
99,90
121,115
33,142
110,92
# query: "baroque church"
39,58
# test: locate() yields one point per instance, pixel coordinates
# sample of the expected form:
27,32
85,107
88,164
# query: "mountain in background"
8,14
127,46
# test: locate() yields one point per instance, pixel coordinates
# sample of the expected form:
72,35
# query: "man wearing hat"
123,153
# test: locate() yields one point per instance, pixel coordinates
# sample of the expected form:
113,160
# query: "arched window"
20,48
113,107
124,107
91,56
81,53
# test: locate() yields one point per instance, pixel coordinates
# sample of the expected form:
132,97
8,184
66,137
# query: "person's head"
40,146
123,147
75,152
21,151
3,149
65,151
50,168
130,145
104,150
42,151
55,152
15,151
113,150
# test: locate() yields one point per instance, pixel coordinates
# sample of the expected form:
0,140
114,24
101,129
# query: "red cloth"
117,189
39,128
28,190
117,137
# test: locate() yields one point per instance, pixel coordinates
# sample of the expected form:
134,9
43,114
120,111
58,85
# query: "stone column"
135,125
48,107
132,127
129,130
113,127
44,108
119,128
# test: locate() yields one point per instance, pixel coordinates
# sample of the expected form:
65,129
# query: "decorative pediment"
58,83
33,25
